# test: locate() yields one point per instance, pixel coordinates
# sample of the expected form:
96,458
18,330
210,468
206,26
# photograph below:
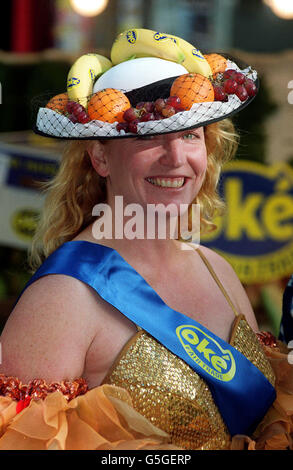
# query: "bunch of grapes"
236,83
76,112
149,111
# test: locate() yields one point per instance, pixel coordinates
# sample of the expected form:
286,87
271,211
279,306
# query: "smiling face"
166,169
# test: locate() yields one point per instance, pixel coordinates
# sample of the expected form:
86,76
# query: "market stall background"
40,39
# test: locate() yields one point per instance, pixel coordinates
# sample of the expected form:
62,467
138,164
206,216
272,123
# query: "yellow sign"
256,233
24,222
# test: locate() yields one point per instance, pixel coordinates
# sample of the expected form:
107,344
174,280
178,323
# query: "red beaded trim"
38,389
267,339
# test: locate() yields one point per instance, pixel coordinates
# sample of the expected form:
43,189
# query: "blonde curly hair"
77,187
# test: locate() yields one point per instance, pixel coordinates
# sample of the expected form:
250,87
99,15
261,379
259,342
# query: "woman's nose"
173,155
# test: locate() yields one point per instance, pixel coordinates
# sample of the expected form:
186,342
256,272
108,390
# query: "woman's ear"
99,158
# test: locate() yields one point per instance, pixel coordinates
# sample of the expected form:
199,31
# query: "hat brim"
53,124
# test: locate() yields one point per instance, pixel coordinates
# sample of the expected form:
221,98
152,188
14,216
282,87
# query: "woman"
106,309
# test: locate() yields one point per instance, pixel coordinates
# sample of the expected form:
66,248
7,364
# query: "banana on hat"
131,44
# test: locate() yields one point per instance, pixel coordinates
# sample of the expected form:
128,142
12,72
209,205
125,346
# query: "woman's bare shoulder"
231,283
216,260
55,293
50,328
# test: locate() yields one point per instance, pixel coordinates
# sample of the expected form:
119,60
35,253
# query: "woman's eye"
190,136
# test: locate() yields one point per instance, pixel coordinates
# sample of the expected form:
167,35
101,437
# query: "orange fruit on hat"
192,88
217,62
58,103
108,105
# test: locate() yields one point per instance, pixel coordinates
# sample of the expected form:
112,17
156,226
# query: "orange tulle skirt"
103,419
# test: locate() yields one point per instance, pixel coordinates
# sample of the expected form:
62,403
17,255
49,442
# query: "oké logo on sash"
131,36
206,352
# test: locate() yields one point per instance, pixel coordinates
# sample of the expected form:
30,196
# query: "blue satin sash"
242,393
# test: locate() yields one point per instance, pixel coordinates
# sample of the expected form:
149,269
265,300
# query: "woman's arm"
49,331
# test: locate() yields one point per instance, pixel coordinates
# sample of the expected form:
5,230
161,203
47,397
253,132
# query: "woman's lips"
167,183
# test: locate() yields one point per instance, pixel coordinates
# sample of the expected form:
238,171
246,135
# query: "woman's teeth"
166,182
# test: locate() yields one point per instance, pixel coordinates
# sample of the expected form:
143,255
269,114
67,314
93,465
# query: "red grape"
72,106
250,87
147,117
239,78
72,118
230,86
149,106
241,93
174,101
122,126
230,73
157,116
77,110
159,104
168,111
131,114
83,117
132,126
220,94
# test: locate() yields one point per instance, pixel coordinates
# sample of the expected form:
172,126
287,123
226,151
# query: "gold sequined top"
171,395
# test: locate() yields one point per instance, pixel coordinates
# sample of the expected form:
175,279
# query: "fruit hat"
155,83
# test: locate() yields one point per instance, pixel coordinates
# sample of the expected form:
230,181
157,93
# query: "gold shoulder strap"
208,265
